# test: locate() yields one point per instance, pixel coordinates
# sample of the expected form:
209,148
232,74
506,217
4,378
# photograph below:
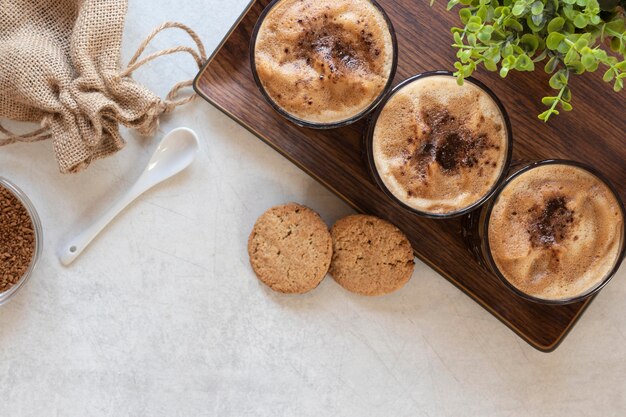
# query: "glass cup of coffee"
553,233
439,149
323,63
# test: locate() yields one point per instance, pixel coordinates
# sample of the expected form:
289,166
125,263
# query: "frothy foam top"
440,147
556,231
324,61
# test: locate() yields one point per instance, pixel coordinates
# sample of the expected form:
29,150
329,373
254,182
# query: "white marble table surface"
162,315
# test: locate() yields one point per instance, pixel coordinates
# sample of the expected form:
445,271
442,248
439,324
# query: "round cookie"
290,249
370,255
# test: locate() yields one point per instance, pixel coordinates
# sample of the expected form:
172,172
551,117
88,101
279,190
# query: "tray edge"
542,348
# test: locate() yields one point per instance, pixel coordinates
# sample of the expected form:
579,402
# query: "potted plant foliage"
568,37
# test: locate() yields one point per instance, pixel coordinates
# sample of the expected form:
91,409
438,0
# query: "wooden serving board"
595,132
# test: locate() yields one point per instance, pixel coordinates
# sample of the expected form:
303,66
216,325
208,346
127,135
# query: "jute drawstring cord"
70,82
198,54
169,104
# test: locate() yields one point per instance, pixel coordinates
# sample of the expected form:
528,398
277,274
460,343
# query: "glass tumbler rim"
369,140
485,231
332,125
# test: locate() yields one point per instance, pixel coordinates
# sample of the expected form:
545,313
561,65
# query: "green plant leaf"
576,67
549,101
519,8
554,40
507,50
581,43
616,25
556,24
465,15
535,22
509,61
551,65
464,55
563,48
600,54
571,57
473,27
536,8
544,116
451,4
556,82
593,67
504,71
541,56
580,21
500,11
524,63
568,27
567,94
514,25
482,13
529,43
589,62
490,65
484,37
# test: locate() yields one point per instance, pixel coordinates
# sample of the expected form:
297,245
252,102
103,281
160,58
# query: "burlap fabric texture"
60,67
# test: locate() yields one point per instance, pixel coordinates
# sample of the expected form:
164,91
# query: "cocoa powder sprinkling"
552,223
17,239
452,145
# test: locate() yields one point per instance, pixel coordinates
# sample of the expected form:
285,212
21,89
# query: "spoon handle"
71,250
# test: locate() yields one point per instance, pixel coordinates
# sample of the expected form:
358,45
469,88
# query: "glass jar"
19,194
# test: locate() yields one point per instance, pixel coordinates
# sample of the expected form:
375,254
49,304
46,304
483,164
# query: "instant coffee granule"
17,239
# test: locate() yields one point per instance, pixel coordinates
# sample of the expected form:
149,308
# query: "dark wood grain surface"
595,132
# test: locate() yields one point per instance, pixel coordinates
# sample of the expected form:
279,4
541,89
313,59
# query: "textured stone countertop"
162,315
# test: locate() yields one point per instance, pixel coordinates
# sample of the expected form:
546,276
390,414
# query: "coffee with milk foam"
439,147
324,61
556,231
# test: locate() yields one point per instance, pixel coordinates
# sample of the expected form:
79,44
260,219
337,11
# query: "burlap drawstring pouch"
60,67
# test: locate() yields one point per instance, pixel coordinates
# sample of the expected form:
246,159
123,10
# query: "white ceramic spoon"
176,152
